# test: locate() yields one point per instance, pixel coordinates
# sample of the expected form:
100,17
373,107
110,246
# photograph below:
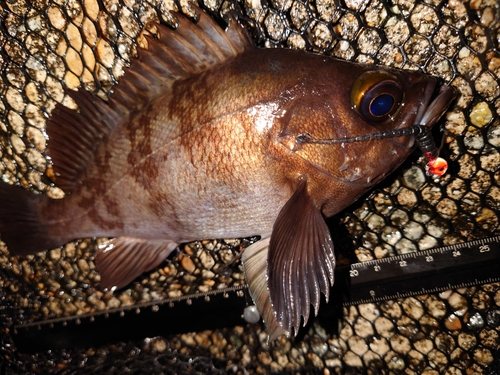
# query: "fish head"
367,101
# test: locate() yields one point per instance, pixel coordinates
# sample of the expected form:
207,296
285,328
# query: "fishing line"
436,166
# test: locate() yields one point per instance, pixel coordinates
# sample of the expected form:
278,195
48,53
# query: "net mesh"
51,44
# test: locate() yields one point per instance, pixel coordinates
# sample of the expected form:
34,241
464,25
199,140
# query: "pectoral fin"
301,260
122,259
254,260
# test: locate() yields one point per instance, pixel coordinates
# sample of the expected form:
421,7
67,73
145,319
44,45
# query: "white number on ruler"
484,248
402,263
456,253
429,258
353,273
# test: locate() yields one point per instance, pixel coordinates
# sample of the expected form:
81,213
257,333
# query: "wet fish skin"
210,151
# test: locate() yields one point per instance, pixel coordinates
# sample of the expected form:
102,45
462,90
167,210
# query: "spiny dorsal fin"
176,54
301,260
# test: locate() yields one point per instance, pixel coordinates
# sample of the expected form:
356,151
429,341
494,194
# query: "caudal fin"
21,227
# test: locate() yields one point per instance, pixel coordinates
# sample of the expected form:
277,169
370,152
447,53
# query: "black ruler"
450,267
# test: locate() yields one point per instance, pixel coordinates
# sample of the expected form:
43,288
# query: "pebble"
187,264
369,311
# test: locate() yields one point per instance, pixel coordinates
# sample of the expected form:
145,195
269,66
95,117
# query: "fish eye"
376,96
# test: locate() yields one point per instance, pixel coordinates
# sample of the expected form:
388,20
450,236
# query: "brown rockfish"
206,136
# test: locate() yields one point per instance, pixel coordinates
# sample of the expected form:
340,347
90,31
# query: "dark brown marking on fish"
102,222
145,173
104,165
139,135
163,208
112,206
97,188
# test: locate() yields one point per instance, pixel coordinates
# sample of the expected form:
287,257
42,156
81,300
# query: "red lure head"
436,167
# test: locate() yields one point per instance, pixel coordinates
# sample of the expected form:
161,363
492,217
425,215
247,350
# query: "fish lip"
434,105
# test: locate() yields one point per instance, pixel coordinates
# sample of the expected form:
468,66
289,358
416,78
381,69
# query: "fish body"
201,139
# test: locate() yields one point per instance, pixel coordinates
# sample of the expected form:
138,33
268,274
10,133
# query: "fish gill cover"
46,46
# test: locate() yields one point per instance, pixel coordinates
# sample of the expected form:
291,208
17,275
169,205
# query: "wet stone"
384,327
483,356
424,19
423,213
490,160
468,64
369,311
485,85
394,361
487,219
418,49
396,30
351,359
481,114
369,42
430,325
375,222
435,306
489,338
493,317
460,358
357,345
413,231
405,246
445,343
437,359
458,304
475,321
299,15
416,360
446,208
413,308
400,344
399,217
391,309
493,135
379,345
466,341
274,26
375,14
481,300
407,327
391,235
363,328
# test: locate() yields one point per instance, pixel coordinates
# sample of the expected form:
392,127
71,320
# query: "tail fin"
21,227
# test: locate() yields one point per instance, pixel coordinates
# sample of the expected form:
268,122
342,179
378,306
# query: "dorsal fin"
176,54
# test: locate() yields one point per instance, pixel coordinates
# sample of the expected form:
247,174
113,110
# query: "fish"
208,136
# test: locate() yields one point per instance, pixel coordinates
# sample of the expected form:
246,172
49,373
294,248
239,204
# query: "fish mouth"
434,106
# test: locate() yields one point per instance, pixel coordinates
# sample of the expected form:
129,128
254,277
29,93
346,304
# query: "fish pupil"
381,105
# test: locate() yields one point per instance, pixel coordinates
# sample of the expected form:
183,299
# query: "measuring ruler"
431,271
450,267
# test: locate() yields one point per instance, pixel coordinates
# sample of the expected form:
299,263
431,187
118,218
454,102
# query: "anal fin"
254,260
120,260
